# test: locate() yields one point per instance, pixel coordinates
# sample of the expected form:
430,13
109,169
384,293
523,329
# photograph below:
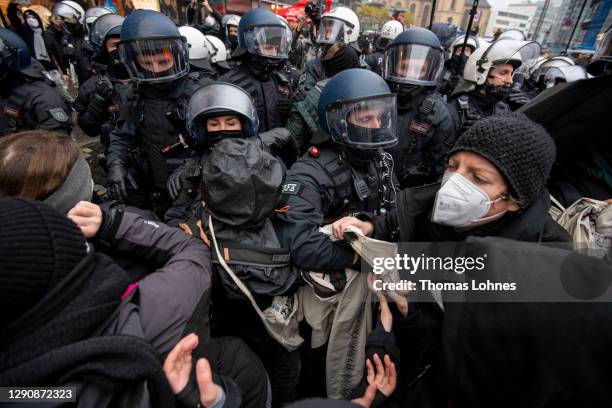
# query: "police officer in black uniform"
488,79
412,67
264,72
28,99
149,140
100,98
347,174
73,51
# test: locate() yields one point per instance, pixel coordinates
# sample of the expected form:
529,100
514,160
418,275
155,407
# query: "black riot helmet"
152,48
262,33
14,53
357,110
414,59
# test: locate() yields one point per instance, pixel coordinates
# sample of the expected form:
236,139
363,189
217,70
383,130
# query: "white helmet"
339,24
69,9
217,50
198,50
230,19
539,69
556,75
512,34
391,29
472,42
514,52
92,15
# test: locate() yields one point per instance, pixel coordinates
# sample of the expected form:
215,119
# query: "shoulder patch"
58,114
291,188
10,110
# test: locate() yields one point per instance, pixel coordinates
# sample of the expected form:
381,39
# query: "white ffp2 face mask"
459,202
32,22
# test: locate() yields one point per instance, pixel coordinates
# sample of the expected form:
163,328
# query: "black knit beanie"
521,149
39,247
344,57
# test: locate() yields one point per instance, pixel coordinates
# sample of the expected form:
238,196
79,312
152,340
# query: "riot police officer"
488,78
149,140
412,67
339,24
454,65
100,98
28,99
215,112
230,23
73,57
264,73
388,32
347,174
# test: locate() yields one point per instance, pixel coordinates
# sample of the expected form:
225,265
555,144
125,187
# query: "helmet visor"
66,11
413,64
220,99
331,30
520,54
367,123
268,41
155,60
556,75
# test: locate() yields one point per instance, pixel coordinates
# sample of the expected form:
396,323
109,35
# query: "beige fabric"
589,222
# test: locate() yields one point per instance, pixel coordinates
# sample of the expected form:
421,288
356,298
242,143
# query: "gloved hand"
518,98
469,120
69,50
116,179
186,177
104,90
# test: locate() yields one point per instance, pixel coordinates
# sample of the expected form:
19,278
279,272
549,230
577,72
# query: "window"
453,4
522,25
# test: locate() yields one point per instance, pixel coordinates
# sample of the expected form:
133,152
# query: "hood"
242,182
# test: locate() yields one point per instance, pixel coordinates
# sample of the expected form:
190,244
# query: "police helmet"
198,49
93,13
357,109
414,57
14,53
152,48
519,54
104,27
69,9
339,24
262,33
220,99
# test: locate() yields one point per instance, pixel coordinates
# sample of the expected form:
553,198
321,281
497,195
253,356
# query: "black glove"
104,90
518,98
116,178
69,50
280,143
187,177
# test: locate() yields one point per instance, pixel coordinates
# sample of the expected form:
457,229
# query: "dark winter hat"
338,58
39,247
242,182
521,149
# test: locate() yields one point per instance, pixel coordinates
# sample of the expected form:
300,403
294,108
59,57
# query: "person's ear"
511,204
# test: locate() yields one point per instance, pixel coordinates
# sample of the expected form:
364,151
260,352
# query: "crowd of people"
201,275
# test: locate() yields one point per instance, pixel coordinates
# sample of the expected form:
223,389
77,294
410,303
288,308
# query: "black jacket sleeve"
91,108
298,227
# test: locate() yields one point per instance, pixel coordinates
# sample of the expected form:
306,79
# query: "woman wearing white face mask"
34,30
494,185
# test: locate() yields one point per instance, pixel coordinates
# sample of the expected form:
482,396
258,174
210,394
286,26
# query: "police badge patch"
419,128
58,114
10,110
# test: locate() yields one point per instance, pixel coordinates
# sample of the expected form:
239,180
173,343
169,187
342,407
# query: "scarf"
40,51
